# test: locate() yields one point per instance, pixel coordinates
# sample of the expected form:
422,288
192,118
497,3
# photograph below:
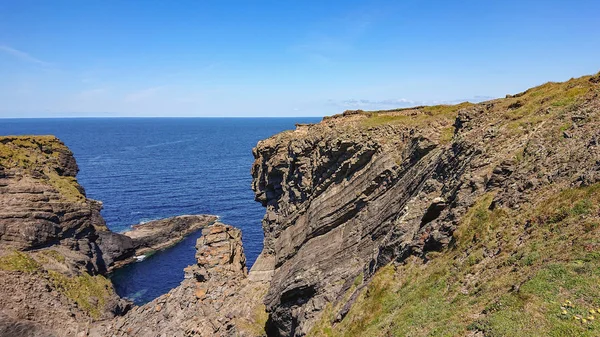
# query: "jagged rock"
48,242
220,253
114,247
343,198
215,298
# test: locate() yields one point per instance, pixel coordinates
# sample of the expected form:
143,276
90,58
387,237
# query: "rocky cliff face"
50,262
42,204
360,190
55,247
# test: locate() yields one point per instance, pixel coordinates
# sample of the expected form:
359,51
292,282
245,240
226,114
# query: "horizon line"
163,117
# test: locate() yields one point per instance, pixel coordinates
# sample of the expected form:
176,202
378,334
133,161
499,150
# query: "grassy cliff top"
519,108
45,158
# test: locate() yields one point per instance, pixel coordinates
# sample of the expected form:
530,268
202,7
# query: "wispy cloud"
143,94
355,103
21,55
399,102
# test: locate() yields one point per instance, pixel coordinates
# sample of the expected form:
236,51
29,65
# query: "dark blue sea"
151,168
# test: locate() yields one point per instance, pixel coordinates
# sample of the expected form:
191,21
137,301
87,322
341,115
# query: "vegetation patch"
19,261
39,155
91,293
58,257
531,272
415,117
66,186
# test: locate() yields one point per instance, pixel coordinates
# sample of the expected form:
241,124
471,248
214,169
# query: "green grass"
40,155
540,104
66,186
19,261
58,257
91,293
414,117
517,291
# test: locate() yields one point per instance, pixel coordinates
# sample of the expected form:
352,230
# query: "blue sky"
282,58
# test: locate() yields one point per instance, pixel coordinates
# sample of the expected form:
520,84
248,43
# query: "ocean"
144,169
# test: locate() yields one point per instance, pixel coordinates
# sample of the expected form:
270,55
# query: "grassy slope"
90,293
532,272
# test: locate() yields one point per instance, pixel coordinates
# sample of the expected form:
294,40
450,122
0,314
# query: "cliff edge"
362,205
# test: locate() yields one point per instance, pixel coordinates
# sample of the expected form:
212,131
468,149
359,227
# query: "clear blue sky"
282,58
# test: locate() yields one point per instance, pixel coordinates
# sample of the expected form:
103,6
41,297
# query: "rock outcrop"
484,214
215,298
360,190
50,263
159,234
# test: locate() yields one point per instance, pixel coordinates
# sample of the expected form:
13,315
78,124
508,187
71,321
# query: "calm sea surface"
152,168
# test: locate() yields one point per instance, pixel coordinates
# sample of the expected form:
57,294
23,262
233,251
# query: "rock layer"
50,261
359,190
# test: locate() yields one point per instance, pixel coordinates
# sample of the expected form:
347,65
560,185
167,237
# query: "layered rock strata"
160,234
362,189
50,262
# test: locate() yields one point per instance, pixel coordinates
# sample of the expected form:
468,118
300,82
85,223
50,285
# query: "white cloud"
22,55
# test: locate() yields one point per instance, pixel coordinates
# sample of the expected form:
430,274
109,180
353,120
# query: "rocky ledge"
160,234
463,220
362,191
51,267
120,249
215,299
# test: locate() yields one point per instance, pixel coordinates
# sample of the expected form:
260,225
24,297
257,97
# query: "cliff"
55,248
50,264
425,221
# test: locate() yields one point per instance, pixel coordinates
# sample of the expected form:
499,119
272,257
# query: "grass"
39,155
91,293
538,104
19,261
415,116
499,277
66,186
58,257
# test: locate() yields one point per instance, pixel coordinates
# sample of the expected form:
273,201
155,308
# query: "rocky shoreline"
131,246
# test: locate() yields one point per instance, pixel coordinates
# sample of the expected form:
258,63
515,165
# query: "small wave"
137,295
169,143
146,220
